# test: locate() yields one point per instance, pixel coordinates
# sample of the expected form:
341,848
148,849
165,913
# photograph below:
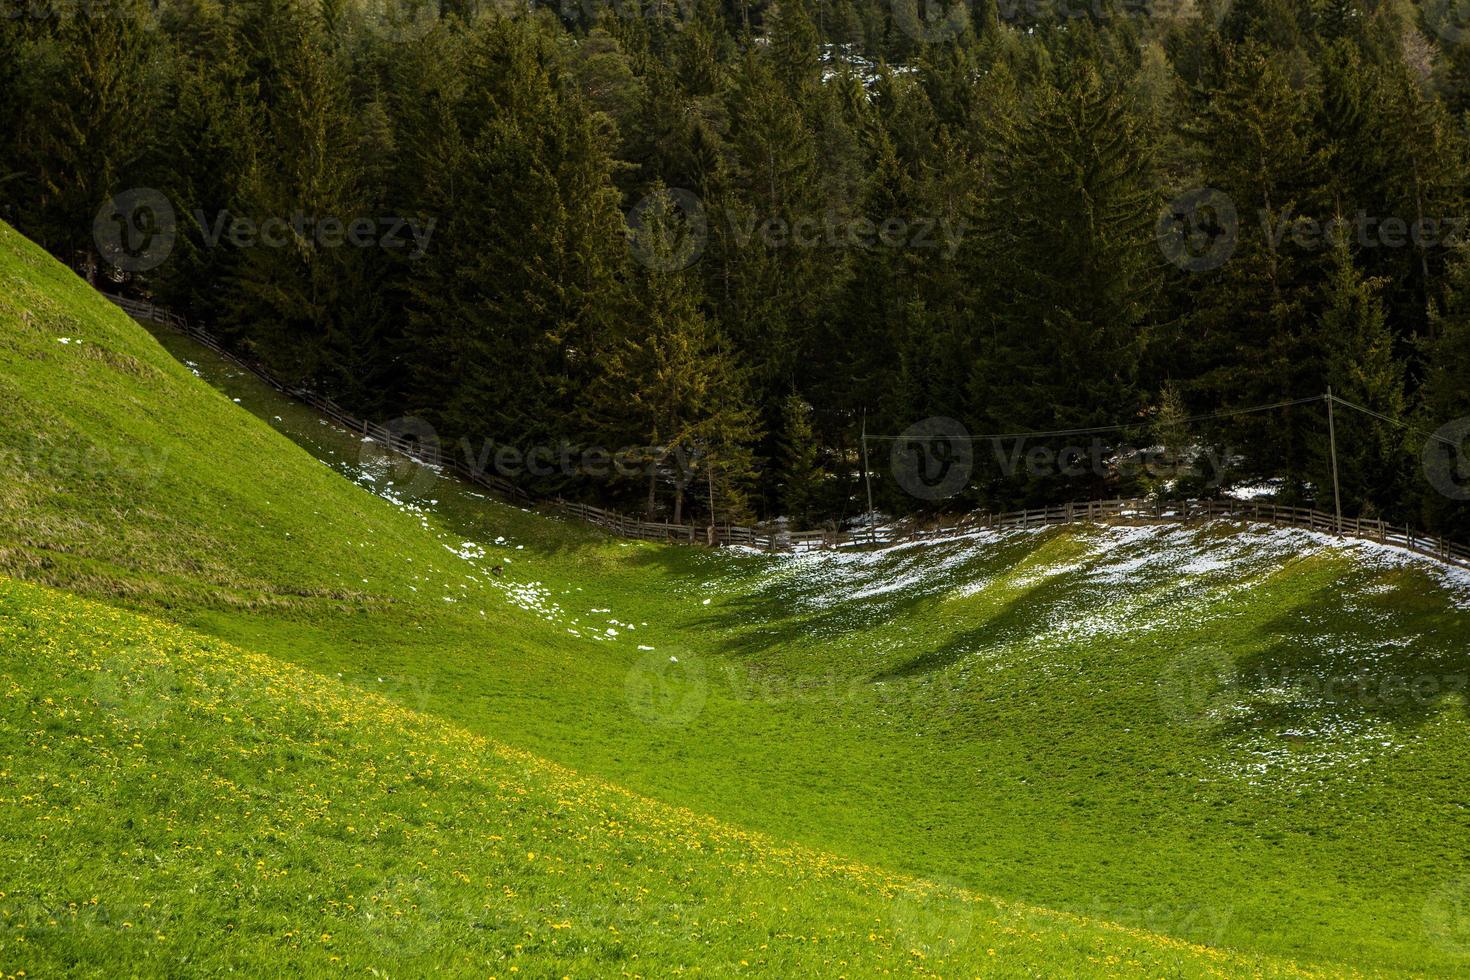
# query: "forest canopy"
741,236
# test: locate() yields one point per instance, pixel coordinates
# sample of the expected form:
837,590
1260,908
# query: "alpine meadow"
783,488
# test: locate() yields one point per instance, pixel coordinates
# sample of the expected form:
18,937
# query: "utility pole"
1332,440
868,477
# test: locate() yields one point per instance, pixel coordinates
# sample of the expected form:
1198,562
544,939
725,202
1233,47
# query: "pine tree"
297,278
1266,22
1361,369
770,290
795,48
666,382
1068,262
1420,156
1442,439
203,145
798,474
82,142
1171,432
13,98
1251,323
1394,159
516,292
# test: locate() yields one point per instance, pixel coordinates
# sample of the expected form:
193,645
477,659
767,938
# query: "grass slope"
178,805
1145,725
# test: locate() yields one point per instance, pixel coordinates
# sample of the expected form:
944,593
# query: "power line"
1399,422
1117,428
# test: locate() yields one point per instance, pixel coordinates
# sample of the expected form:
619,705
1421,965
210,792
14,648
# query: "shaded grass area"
1061,717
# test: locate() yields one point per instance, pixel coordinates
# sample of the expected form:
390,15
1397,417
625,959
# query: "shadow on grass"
1329,661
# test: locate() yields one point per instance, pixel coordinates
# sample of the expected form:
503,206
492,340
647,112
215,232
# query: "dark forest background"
751,229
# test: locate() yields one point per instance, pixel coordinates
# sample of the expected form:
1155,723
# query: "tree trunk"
652,489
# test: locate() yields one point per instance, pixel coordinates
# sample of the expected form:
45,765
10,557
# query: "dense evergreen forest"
741,235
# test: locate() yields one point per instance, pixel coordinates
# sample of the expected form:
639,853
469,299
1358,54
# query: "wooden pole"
868,478
1332,441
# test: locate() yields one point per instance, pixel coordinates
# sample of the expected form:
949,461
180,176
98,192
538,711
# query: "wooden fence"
778,538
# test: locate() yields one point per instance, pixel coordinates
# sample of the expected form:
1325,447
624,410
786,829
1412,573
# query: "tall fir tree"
1069,267
1363,370
514,295
1251,325
798,469
84,138
298,275
1442,440
665,380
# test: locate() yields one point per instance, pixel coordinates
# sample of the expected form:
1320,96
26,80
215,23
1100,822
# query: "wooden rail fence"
777,538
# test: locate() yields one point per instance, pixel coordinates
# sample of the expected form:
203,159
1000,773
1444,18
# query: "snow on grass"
1127,557
532,597
1084,583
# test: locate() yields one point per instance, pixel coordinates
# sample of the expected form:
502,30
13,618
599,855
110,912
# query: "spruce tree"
773,287
1361,369
795,48
1069,269
798,470
1442,439
1252,294
665,381
297,276
85,135
516,291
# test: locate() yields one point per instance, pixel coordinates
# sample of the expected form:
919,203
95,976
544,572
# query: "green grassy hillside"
1239,737
177,805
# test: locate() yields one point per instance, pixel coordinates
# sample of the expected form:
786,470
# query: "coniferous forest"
747,234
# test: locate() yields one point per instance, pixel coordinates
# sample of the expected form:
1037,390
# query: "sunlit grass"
177,804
